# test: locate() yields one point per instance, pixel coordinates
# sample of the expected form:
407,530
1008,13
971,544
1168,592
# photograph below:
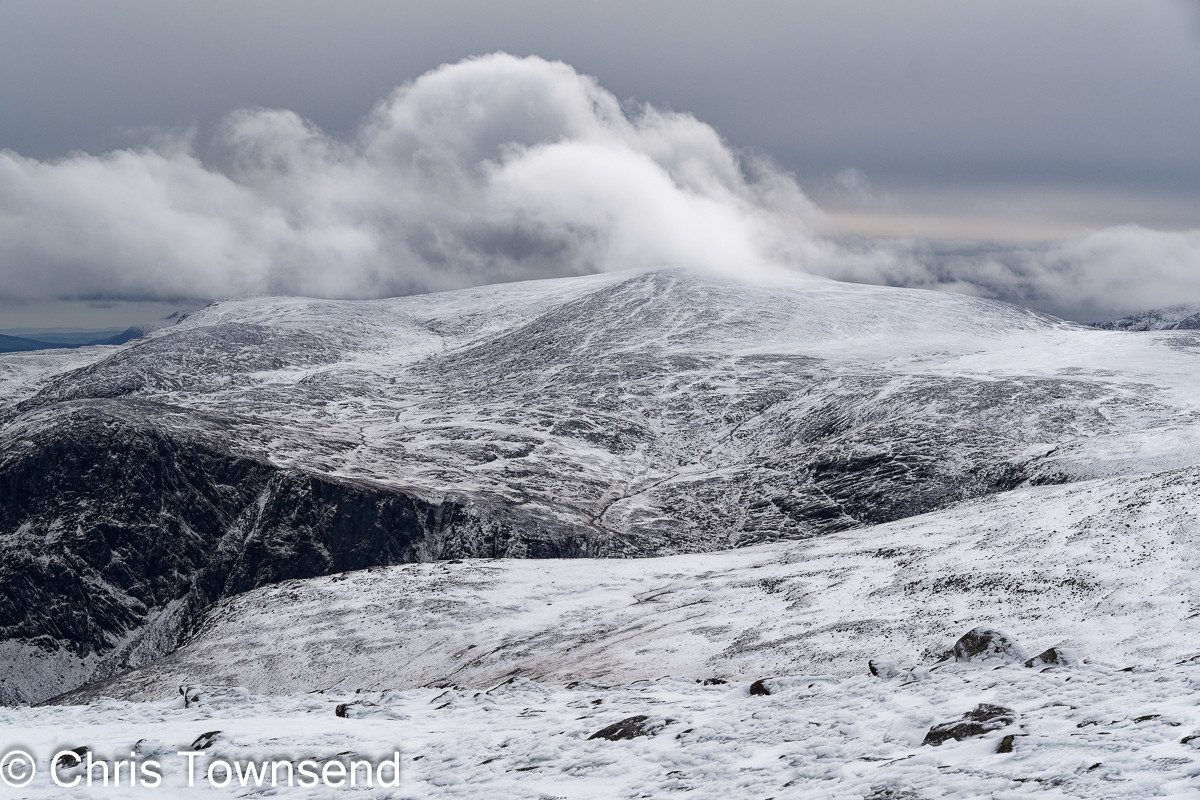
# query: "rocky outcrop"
984,644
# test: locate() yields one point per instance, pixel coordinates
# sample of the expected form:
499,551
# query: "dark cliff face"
108,520
104,521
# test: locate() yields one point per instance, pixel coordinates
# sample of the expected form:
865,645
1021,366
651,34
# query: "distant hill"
19,344
125,335
63,336
50,340
1171,318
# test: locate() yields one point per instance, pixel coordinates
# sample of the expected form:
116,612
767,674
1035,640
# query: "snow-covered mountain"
1171,318
646,414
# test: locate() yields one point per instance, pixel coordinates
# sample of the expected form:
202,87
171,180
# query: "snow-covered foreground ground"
1106,567
1086,731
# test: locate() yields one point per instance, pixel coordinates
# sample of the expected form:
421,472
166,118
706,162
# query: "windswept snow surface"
1084,732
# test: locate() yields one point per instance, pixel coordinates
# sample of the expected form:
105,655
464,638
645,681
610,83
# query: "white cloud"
1100,275
490,169
494,168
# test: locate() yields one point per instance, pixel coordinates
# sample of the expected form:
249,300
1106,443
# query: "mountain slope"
616,415
1107,568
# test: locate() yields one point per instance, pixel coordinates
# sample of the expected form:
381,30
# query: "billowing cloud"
491,169
494,168
1101,275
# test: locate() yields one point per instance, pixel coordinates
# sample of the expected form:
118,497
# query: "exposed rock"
74,758
984,644
363,709
1053,657
891,793
205,740
1006,744
632,728
759,688
984,718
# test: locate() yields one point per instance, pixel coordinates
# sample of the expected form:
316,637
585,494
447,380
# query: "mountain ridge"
1184,317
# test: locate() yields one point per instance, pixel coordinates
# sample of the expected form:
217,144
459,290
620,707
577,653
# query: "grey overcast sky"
1014,121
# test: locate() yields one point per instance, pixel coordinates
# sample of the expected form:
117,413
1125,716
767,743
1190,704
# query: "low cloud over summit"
495,168
492,169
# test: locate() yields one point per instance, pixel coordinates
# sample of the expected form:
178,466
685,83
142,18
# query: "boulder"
205,740
984,718
631,728
75,757
1053,657
984,644
353,710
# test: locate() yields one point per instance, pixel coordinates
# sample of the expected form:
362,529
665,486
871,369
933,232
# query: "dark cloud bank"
492,169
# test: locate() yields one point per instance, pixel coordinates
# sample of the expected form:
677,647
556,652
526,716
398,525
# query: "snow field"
1089,731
